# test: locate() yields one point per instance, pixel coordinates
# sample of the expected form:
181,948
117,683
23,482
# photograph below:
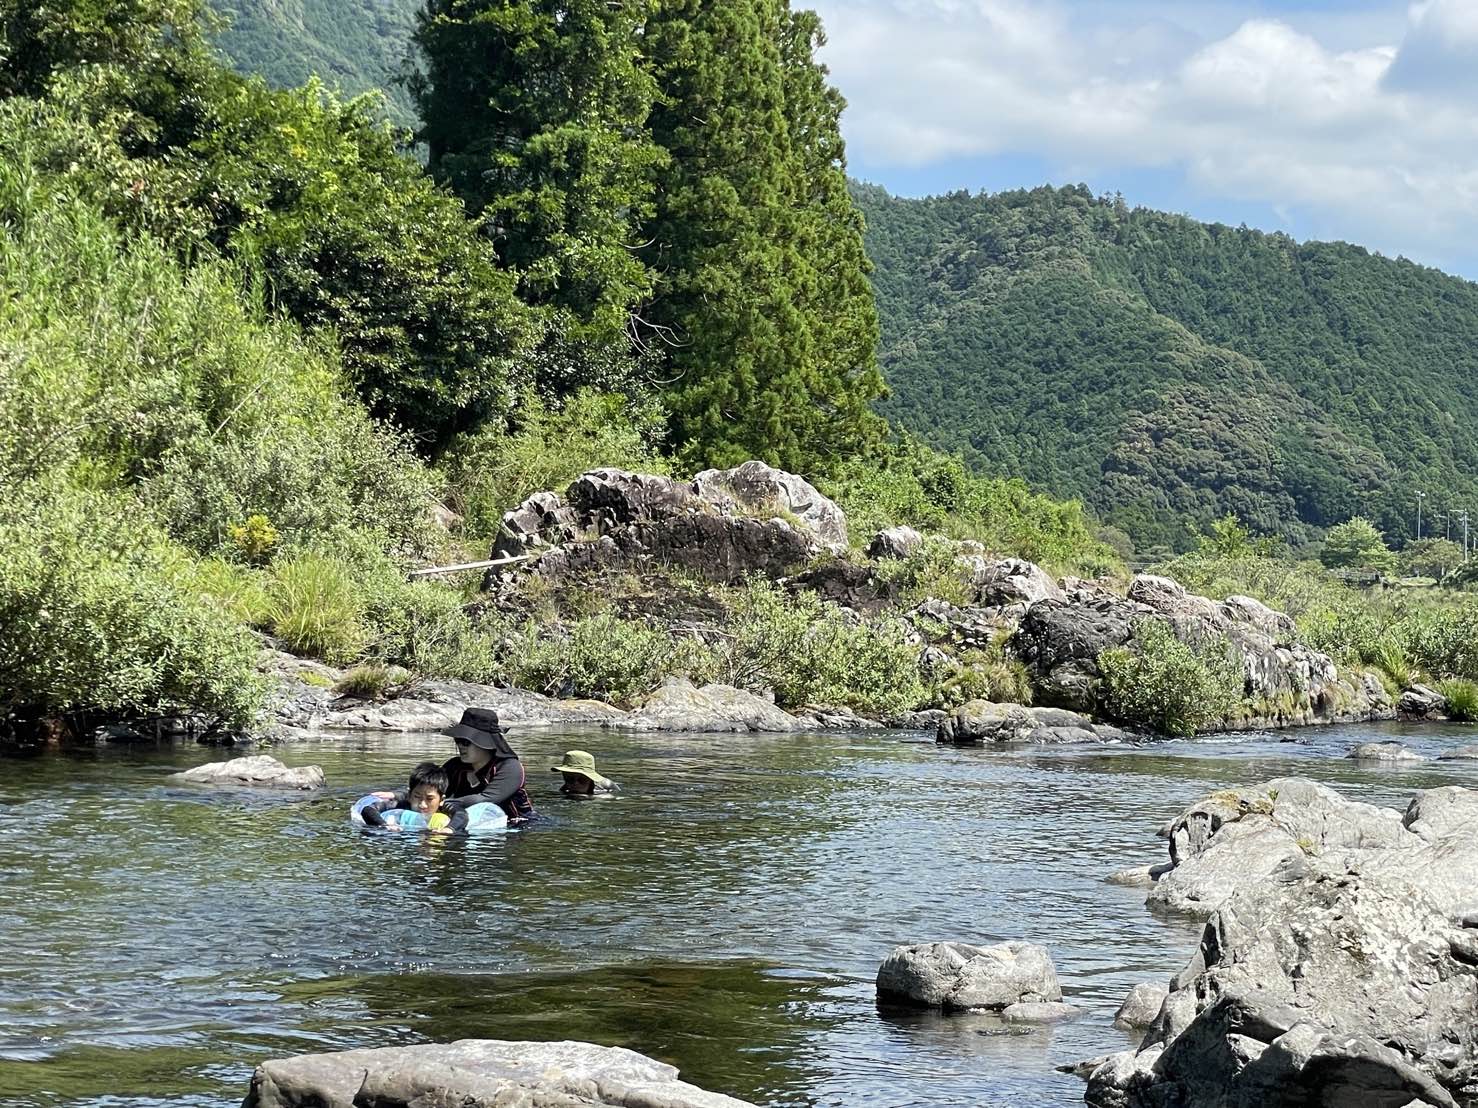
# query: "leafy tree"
1431,557
1356,544
38,40
770,350
533,113
1227,538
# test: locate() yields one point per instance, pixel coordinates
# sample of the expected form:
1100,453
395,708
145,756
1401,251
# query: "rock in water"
258,770
1141,1006
480,1072
1392,752
958,975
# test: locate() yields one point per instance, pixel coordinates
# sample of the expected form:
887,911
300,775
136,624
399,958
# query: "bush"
1356,544
985,675
1160,682
425,627
315,608
96,615
602,658
936,569
372,681
1462,698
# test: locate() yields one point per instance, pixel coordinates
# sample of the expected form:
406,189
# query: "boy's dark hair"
432,776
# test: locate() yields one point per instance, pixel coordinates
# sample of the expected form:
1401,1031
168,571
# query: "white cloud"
1365,127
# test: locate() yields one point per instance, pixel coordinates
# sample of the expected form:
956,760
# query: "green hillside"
355,45
1166,370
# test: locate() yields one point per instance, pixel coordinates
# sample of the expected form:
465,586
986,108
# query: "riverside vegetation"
255,363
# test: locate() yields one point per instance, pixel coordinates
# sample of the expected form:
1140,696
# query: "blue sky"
1328,119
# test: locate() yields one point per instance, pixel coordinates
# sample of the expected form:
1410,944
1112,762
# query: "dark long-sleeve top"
455,813
501,782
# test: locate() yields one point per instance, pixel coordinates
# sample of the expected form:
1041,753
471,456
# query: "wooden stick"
430,571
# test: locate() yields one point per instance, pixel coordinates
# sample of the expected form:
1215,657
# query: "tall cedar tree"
533,113
757,250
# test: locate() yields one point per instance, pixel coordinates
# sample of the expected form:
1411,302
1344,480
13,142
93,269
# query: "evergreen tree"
761,275
533,113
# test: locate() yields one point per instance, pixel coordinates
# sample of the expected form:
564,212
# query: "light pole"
1419,498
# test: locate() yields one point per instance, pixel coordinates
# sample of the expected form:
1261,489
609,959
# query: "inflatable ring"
481,818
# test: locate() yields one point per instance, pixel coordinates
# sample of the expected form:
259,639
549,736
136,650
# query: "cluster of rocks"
1339,963
477,1073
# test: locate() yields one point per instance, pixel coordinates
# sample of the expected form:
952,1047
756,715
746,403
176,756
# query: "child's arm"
373,813
456,815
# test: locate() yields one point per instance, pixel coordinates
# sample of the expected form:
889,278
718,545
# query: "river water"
726,913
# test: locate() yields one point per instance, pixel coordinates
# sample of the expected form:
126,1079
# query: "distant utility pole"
1419,498
1463,517
1447,519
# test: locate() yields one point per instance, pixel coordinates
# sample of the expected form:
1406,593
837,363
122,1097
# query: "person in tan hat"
580,776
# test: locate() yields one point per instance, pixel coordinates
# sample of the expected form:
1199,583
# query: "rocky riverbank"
1339,964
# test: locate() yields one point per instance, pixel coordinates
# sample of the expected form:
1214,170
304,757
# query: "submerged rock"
956,976
1384,752
257,771
480,1073
1467,753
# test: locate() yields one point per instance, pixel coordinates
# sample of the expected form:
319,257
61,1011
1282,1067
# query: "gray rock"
1002,582
1039,1011
257,771
757,487
477,1072
607,498
927,720
958,975
981,721
1421,702
894,542
1467,753
1435,814
541,521
1241,853
679,705
1392,752
1141,1006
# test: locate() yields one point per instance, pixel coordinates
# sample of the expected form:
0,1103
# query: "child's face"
578,783
425,799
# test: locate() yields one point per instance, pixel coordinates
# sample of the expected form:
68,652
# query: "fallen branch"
433,570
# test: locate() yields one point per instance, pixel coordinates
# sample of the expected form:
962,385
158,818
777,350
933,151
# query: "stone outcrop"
477,1073
254,771
1421,702
1059,640
679,705
959,976
1341,971
723,524
1141,1006
894,542
984,723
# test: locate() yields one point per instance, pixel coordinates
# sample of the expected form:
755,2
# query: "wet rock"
1467,753
894,542
1421,702
837,719
982,722
477,1072
256,771
757,487
957,976
1392,752
1141,1006
1040,1011
679,705
927,720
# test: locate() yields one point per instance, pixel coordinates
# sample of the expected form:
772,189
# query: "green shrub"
1160,682
239,591
95,616
985,675
936,569
315,608
372,681
255,539
425,627
1389,656
1462,698
602,657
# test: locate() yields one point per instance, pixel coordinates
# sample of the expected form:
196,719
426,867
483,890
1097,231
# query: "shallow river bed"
726,913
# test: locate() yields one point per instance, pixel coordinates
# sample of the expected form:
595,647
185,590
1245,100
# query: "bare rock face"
541,521
958,976
894,542
1421,702
755,486
1346,973
256,771
477,1073
679,705
1141,1006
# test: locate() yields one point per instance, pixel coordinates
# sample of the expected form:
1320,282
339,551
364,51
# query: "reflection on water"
726,913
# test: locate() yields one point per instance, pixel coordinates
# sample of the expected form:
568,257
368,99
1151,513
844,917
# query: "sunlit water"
727,913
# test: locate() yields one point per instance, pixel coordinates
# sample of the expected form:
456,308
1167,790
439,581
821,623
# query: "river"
726,913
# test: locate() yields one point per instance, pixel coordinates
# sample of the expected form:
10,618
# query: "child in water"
426,794
580,776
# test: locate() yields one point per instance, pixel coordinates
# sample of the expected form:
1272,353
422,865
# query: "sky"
1354,120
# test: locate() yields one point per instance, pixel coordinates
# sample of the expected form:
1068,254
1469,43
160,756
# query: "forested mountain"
1167,370
355,45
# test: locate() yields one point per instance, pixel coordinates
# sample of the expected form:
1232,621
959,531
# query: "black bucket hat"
480,727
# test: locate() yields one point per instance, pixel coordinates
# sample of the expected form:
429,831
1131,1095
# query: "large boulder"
1421,702
605,498
985,723
894,542
541,521
477,1073
1007,582
255,771
957,976
757,488
1347,973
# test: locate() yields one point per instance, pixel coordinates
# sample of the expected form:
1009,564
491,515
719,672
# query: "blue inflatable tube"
481,818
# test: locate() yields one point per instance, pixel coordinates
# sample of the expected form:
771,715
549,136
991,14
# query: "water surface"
726,913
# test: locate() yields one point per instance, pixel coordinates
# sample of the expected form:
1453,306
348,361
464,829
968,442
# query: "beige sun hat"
583,763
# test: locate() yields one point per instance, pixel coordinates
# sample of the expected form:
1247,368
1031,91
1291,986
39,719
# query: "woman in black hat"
485,768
